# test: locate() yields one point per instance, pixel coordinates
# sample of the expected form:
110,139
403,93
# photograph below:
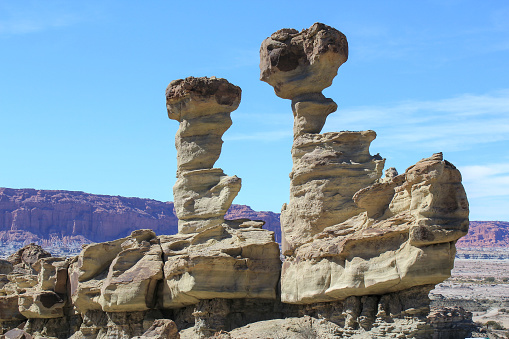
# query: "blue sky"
82,86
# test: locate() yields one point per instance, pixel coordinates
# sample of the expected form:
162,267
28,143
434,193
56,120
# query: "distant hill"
486,234
45,216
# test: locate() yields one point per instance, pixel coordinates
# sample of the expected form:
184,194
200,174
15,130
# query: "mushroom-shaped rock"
296,63
202,194
300,66
203,107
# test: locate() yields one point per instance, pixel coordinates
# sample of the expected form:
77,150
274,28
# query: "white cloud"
450,124
486,180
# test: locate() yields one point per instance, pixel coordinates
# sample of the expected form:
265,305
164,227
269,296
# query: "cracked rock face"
202,106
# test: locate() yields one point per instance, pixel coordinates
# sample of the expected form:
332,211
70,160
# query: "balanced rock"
297,63
202,193
345,231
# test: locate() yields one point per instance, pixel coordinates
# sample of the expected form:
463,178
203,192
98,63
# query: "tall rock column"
202,193
327,168
346,233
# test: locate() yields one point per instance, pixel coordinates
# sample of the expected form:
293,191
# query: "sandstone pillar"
327,168
202,194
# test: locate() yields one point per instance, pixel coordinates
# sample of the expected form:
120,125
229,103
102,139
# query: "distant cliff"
29,215
488,234
45,215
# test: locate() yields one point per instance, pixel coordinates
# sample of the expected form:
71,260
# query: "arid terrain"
480,286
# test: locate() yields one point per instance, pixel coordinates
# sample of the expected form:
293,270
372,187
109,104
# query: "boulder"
41,304
117,276
28,255
297,63
161,329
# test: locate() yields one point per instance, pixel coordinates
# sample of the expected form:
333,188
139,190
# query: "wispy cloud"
450,124
34,17
486,180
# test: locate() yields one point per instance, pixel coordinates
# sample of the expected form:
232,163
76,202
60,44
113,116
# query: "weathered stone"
327,171
28,255
16,333
118,276
202,193
346,232
52,274
42,304
220,262
5,267
9,308
392,249
161,329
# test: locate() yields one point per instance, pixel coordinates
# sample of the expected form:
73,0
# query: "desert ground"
480,286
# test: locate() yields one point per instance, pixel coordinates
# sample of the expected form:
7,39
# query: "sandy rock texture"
346,231
202,106
220,262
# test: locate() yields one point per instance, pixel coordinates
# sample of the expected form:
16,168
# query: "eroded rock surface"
221,262
346,231
361,252
202,106
117,276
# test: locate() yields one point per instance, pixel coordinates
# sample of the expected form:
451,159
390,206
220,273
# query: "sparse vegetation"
489,279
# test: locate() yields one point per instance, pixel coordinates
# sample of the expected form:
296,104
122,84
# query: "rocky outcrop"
202,106
221,262
210,257
347,232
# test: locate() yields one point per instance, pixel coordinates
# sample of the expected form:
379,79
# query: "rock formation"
36,215
347,232
361,252
202,194
486,234
68,219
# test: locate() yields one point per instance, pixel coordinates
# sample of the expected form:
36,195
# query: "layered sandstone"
202,106
361,252
211,257
346,231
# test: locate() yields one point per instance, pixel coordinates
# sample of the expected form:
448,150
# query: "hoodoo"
355,242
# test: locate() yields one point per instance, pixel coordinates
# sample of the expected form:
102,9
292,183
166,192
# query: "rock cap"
297,63
193,97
